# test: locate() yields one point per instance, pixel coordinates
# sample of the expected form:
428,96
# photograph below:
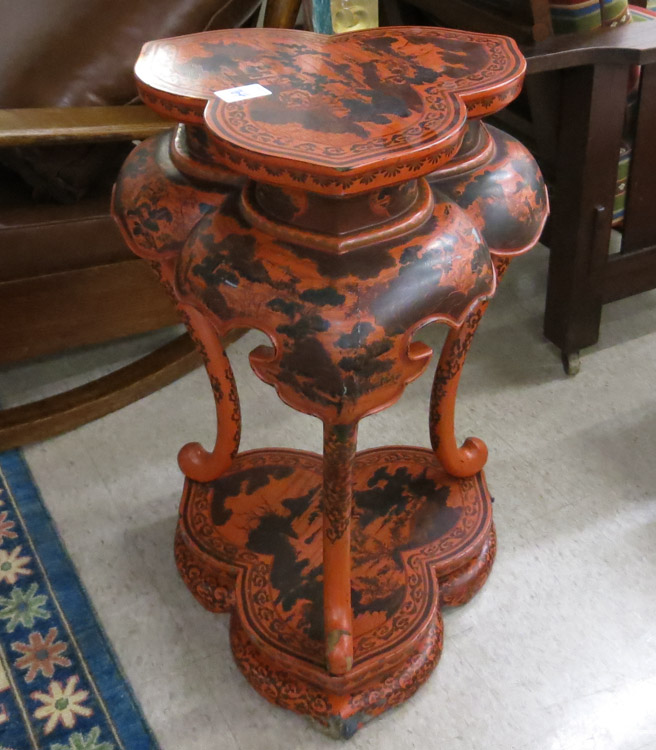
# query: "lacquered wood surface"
305,214
343,107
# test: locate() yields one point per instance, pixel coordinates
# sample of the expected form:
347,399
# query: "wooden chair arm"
630,44
56,125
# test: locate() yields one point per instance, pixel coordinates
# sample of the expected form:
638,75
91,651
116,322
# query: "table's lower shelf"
251,542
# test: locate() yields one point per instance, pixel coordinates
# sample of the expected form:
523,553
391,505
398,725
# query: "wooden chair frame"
583,276
57,414
576,87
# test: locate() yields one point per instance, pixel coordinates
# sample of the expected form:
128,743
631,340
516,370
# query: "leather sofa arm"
56,125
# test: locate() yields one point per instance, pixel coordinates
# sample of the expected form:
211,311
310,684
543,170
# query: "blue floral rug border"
61,687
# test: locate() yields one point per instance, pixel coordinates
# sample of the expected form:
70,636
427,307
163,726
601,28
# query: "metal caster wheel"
571,363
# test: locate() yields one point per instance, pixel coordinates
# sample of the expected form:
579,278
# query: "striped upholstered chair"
572,15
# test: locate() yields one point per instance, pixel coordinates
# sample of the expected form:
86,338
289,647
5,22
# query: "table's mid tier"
384,104
341,322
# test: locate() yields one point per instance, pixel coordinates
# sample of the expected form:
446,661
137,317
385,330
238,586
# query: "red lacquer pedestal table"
348,198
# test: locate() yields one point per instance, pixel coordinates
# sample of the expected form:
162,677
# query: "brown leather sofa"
66,278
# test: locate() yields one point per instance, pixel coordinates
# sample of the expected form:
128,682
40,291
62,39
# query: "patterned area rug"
61,687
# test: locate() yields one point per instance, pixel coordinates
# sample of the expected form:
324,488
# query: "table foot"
339,715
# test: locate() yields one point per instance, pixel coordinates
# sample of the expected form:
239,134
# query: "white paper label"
239,93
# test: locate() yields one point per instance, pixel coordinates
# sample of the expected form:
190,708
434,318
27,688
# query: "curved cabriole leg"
195,462
339,444
469,458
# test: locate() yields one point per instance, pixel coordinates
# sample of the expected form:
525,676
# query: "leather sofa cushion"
58,53
79,52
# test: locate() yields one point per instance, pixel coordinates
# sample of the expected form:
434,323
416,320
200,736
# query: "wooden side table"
347,197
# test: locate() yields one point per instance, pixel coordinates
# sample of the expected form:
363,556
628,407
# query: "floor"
558,652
